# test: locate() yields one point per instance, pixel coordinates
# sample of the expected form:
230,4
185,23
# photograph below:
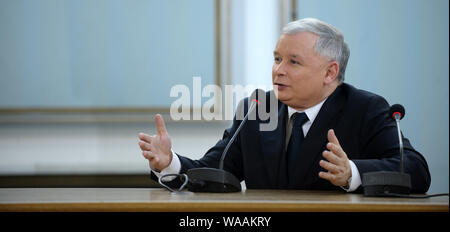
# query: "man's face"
298,72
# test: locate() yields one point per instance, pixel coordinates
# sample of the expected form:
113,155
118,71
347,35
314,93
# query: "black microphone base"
386,184
212,180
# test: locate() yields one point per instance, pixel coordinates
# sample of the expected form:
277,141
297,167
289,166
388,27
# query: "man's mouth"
280,86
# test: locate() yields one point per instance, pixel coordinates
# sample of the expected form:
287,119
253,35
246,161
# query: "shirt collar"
311,112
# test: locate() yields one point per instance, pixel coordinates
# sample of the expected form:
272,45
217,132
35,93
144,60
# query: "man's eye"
294,62
277,59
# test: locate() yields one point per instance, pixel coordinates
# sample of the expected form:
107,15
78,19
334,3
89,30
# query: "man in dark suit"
329,133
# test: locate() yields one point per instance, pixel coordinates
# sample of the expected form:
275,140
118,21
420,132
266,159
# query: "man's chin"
281,95
283,99
289,101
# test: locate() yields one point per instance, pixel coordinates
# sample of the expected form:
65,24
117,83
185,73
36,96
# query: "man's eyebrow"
295,56
291,55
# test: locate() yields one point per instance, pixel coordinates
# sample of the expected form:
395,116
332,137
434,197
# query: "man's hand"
157,148
338,165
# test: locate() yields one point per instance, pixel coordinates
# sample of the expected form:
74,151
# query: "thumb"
332,137
160,126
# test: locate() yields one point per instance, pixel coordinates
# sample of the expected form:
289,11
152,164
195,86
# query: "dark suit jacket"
362,124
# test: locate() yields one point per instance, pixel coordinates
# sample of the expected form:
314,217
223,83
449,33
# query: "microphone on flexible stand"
383,183
397,113
219,180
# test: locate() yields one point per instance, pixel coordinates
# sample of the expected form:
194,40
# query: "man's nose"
280,69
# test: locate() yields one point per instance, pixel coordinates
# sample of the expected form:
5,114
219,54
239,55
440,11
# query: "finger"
145,137
329,166
154,159
327,176
336,149
331,157
148,155
160,126
144,146
332,137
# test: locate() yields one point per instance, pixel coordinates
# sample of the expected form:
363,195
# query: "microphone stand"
384,183
400,141
218,180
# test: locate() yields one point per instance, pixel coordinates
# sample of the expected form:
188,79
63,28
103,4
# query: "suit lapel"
272,149
316,140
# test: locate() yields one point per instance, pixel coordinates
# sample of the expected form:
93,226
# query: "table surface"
161,200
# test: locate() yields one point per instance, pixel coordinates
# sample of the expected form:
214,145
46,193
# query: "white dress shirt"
355,180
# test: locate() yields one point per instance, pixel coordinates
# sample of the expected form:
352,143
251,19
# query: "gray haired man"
329,133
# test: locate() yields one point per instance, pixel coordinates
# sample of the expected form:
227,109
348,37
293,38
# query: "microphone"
389,184
218,180
397,113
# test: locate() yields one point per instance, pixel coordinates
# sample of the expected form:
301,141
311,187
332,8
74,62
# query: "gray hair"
330,43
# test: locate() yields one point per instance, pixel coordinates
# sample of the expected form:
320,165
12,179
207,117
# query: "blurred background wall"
80,79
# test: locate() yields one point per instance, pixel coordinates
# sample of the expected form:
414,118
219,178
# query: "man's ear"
332,71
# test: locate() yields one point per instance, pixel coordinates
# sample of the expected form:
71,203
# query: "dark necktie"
295,142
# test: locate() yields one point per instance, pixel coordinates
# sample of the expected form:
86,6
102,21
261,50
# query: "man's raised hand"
157,148
337,164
